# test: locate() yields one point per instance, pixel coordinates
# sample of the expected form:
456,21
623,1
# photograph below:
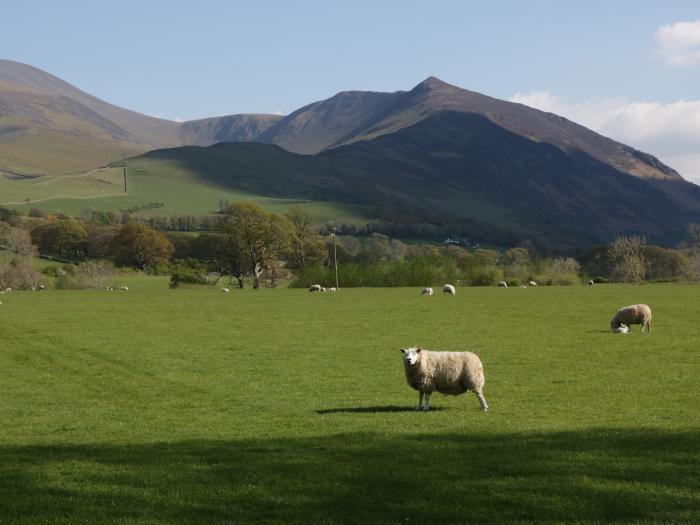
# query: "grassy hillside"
47,152
50,127
456,169
178,189
280,406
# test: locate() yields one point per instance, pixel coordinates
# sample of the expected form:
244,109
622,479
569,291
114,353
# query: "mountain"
436,155
230,128
354,116
459,171
48,126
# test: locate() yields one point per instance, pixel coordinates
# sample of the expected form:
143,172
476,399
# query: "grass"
280,406
179,189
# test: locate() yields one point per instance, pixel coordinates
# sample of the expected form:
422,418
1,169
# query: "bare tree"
95,274
628,254
694,235
18,245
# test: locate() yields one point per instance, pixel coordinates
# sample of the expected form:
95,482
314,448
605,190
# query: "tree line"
250,244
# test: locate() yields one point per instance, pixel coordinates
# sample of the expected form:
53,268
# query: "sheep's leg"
420,401
482,401
427,402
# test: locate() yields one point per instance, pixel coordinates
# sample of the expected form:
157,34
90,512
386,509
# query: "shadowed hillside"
461,169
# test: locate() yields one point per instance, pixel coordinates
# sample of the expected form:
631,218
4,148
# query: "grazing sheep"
450,373
449,289
426,291
590,283
42,287
333,289
532,283
315,288
629,315
503,284
523,286
8,290
225,290
622,329
125,288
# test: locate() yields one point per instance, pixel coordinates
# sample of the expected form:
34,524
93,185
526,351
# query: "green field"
178,189
280,406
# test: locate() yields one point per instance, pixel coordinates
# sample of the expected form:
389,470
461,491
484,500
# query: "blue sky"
185,60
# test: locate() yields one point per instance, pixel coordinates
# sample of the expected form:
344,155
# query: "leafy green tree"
61,237
140,246
261,236
663,264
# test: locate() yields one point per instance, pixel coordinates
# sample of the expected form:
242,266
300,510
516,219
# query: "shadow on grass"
594,476
371,410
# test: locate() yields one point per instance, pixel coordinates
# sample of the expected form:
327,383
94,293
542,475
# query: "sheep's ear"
403,350
418,349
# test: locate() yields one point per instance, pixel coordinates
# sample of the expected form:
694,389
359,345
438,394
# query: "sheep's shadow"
371,410
598,331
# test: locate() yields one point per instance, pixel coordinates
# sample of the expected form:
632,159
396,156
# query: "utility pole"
124,179
335,260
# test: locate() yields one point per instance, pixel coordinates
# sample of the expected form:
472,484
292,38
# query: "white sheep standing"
452,373
449,289
590,282
532,283
225,290
333,289
633,314
8,290
315,288
503,284
426,291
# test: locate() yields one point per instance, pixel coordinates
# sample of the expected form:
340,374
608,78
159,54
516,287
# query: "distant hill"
231,128
440,155
48,126
355,116
458,169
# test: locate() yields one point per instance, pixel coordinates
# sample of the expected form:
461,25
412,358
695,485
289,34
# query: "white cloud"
679,43
669,131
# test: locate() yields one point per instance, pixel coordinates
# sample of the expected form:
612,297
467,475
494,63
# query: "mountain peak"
431,83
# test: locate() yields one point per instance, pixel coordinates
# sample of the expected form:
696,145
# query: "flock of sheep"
455,373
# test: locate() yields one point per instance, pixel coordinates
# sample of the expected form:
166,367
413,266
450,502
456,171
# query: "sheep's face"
411,356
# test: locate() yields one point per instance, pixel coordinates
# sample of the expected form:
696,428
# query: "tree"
564,270
61,237
95,274
261,236
694,235
18,245
222,251
515,263
140,246
628,254
663,264
15,265
305,244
